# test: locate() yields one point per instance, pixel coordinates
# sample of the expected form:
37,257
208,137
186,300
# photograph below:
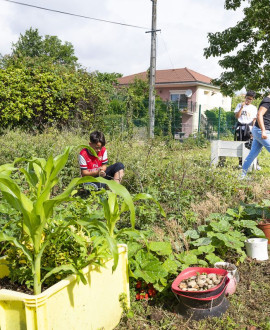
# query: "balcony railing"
185,107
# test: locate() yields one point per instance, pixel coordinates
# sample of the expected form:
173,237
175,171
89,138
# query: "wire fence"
174,119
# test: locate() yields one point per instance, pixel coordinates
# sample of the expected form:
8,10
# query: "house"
172,85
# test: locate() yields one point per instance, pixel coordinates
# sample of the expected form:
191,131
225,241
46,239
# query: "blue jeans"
256,148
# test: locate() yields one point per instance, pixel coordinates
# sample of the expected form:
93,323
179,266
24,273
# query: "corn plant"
36,204
113,208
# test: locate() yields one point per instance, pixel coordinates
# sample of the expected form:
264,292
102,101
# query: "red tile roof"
169,76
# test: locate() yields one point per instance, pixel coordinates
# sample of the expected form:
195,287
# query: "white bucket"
257,248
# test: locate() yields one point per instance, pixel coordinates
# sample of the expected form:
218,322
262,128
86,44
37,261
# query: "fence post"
199,122
219,109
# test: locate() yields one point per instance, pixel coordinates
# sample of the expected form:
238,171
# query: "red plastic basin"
191,271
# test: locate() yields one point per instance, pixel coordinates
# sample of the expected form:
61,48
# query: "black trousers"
110,172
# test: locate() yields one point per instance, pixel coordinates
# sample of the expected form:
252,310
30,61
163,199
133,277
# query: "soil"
6,284
249,307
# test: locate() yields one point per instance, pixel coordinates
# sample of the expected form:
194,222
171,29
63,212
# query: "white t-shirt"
249,112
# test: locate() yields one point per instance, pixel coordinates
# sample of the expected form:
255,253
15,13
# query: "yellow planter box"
68,304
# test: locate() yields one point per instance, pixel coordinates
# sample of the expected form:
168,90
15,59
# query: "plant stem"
37,284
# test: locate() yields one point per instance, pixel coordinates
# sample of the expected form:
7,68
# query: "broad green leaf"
20,202
163,281
266,203
192,233
187,258
161,248
15,197
170,266
30,177
59,163
248,223
143,258
202,228
202,263
212,258
151,272
7,169
133,248
84,146
202,241
114,250
229,240
232,212
190,259
48,168
196,252
237,235
206,248
221,226
257,232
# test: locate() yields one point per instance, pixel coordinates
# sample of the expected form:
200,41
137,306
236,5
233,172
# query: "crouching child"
91,165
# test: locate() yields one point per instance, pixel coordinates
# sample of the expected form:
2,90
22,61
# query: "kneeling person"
91,165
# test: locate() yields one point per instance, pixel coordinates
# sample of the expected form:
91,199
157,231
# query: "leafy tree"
246,48
241,98
237,99
31,44
34,94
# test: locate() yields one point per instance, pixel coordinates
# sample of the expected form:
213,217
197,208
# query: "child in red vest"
91,165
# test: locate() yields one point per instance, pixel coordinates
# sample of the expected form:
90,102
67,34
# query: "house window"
180,99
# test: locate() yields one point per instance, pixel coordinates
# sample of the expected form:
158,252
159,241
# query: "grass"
249,307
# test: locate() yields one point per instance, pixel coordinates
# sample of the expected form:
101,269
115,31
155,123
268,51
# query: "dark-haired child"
91,165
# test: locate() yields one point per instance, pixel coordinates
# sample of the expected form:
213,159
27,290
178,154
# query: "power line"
166,50
81,16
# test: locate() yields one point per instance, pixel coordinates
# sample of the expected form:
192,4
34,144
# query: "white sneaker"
258,168
242,177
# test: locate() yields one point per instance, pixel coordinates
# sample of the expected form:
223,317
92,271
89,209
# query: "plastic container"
208,302
265,227
233,275
231,269
200,308
257,248
199,314
191,271
70,304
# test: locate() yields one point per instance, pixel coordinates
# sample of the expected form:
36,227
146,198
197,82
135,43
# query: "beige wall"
209,98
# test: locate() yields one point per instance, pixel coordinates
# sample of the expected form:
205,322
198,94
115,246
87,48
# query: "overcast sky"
107,47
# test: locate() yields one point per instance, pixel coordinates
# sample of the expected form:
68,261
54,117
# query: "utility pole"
152,70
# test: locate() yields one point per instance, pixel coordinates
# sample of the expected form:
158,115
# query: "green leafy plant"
224,233
153,262
112,211
33,200
259,212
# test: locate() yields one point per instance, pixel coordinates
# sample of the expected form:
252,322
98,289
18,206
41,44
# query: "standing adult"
246,114
261,134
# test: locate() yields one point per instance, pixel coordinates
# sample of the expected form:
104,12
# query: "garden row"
49,230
